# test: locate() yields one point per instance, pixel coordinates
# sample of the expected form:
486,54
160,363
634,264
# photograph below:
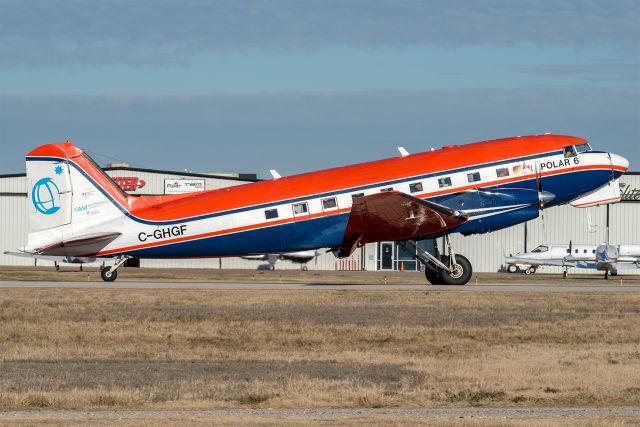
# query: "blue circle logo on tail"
45,195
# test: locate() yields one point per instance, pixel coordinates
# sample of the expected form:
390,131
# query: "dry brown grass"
360,421
112,349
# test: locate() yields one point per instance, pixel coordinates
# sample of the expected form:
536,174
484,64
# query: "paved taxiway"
612,286
337,414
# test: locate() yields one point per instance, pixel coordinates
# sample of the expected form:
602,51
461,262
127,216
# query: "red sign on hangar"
129,183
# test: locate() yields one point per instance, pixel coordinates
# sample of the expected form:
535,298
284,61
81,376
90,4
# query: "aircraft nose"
619,162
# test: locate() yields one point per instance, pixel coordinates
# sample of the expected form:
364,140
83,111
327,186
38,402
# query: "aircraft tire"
512,268
108,276
462,272
433,277
614,273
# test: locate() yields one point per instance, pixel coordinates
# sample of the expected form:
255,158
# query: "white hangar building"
486,251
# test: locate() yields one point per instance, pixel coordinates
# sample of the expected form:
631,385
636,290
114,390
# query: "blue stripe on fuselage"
323,232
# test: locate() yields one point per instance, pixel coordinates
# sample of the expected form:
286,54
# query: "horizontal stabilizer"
92,240
59,259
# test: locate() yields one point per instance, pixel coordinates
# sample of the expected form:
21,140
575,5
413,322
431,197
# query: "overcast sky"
300,85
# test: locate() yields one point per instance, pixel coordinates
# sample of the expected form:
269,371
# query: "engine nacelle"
494,209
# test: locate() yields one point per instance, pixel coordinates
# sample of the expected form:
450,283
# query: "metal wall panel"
13,184
13,227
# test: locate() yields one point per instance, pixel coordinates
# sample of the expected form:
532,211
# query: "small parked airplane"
76,209
56,260
302,258
604,257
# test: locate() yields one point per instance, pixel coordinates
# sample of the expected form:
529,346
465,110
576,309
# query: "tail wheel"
461,271
512,268
433,276
108,276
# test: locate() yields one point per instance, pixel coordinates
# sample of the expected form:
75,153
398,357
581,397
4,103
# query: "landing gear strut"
110,273
449,269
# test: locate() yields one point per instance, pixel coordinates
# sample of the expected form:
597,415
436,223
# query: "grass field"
84,348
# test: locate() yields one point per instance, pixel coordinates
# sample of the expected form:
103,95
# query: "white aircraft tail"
68,196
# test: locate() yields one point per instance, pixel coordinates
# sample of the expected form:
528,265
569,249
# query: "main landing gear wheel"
512,268
450,269
461,271
108,275
432,276
530,270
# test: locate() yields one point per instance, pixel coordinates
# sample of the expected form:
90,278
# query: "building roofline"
158,171
192,174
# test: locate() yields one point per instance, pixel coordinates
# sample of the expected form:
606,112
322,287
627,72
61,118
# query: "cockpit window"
569,152
541,249
583,148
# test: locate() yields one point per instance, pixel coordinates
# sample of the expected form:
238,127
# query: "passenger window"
593,251
502,172
473,177
415,187
444,182
329,203
300,208
569,152
355,196
271,213
575,252
386,189
585,251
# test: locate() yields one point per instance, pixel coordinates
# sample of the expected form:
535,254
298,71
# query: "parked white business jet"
604,257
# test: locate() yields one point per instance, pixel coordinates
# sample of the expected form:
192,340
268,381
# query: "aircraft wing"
393,215
536,261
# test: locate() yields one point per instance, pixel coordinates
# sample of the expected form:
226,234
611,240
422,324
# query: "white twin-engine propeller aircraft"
302,258
604,257
76,210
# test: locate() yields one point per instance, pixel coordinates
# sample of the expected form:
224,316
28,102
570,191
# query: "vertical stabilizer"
69,197
50,191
